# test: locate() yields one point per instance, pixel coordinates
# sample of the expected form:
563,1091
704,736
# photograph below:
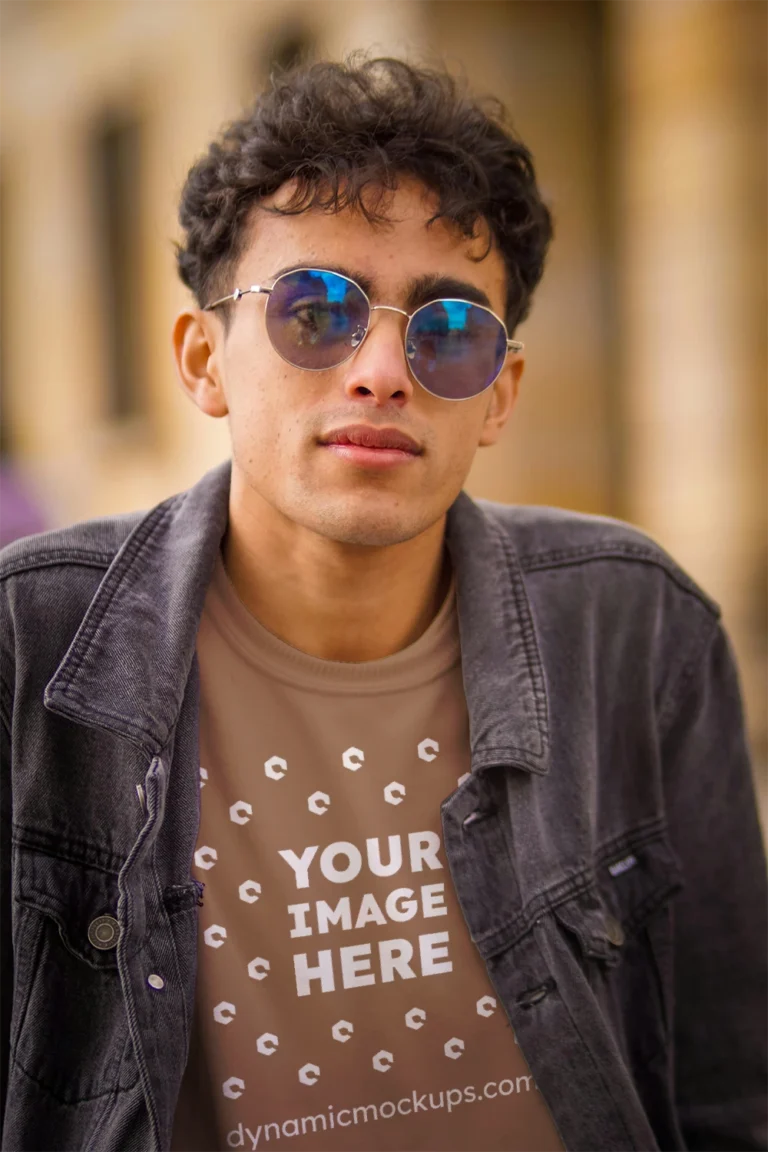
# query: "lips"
366,436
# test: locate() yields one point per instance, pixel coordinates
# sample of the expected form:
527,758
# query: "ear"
502,400
198,341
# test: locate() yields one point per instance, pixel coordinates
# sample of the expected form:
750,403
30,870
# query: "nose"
379,368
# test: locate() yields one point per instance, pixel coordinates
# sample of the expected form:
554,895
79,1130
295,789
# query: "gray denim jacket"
605,849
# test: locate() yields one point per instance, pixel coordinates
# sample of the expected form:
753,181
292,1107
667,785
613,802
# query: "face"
281,417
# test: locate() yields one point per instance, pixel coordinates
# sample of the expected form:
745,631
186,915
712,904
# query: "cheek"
460,437
253,385
265,420
254,427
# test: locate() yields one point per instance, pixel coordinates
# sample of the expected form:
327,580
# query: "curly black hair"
344,132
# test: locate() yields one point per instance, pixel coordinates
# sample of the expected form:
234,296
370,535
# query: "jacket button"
103,932
614,930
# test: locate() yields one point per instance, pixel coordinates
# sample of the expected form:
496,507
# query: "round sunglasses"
317,319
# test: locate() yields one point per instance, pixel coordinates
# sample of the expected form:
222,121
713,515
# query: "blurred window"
117,178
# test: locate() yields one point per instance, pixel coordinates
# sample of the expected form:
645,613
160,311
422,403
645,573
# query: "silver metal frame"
259,289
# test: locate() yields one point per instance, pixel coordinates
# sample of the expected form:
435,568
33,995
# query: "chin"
370,527
368,535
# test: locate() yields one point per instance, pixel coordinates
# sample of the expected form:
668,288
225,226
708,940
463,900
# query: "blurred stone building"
644,395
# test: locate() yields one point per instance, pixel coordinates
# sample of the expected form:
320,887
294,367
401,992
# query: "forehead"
391,257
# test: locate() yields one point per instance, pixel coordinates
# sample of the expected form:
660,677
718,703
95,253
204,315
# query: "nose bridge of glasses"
389,308
361,335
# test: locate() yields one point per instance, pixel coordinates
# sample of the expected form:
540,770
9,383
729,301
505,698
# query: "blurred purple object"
20,514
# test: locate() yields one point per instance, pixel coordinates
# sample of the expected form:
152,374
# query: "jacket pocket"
620,930
69,1030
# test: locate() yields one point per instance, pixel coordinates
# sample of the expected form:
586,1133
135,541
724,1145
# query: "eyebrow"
434,287
419,289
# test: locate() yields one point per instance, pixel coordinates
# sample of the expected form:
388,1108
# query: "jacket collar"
127,668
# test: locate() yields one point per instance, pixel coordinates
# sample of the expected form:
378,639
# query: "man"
340,810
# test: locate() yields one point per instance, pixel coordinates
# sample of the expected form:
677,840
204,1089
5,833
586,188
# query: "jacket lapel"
127,667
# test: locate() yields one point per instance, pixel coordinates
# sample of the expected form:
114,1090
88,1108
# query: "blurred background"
645,390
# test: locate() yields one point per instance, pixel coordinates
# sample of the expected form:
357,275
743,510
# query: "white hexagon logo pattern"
206,857
203,776
353,759
240,812
486,1006
394,793
415,1019
383,1061
267,1043
319,802
258,968
275,767
454,1048
428,749
309,1074
215,936
233,1087
342,1030
224,1013
249,891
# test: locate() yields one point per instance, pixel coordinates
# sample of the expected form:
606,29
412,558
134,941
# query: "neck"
335,601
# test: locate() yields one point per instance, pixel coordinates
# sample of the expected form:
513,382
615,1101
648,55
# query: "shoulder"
616,554
89,544
47,582
608,600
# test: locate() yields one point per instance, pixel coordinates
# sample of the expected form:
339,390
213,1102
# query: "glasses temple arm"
236,295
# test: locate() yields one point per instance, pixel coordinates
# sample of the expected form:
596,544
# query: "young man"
339,810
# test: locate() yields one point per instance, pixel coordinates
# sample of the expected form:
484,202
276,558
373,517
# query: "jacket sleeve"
721,935
6,946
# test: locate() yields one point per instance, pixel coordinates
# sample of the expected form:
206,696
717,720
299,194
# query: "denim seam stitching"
15,1035
597,1069
25,838
141,733
56,1096
172,944
118,1090
60,921
527,636
55,558
643,833
563,890
6,712
535,562
101,1118
143,535
134,1028
525,756
498,939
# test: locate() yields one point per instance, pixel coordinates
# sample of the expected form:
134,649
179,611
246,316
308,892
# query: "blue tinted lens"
316,319
455,349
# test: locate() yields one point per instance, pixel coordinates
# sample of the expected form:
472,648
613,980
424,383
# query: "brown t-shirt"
340,1002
